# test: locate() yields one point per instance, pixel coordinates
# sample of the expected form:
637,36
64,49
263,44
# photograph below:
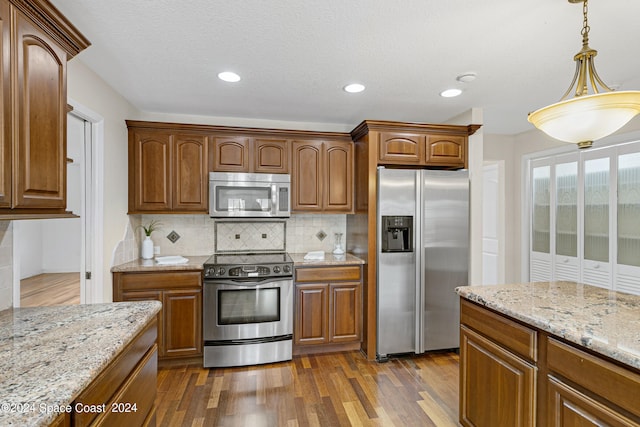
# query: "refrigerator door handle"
419,253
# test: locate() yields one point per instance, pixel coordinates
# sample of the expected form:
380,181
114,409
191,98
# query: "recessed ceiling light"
229,76
354,88
450,93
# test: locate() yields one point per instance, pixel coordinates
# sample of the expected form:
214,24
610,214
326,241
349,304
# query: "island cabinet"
244,154
131,379
497,370
328,309
180,320
583,389
167,171
36,43
322,176
513,374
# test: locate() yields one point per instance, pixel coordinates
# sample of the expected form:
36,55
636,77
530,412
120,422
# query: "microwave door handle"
274,199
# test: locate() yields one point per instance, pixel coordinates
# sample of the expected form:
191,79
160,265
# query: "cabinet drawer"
327,274
612,382
139,390
103,388
512,335
162,280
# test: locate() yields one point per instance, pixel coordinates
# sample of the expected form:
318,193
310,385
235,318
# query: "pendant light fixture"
587,116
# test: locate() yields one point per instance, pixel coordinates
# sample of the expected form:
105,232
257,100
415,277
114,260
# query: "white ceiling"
295,56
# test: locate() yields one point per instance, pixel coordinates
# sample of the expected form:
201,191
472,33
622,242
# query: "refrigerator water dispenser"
397,234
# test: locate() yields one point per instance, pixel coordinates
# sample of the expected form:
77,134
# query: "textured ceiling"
295,56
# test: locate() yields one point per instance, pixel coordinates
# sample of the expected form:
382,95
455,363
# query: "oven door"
244,310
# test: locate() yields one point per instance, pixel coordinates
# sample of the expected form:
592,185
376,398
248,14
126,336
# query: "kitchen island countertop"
48,355
604,321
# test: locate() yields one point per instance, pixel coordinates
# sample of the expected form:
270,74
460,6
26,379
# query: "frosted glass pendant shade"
584,119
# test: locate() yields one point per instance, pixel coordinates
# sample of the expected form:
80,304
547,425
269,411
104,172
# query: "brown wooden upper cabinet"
230,154
243,154
37,41
446,150
396,148
167,172
322,176
401,148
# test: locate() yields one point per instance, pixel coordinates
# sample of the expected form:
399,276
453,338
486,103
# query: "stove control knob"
221,271
276,269
210,272
286,269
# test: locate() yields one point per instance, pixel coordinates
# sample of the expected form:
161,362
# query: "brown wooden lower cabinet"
512,374
125,390
495,384
180,320
328,309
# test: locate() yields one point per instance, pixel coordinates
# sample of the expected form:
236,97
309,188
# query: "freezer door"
444,256
396,281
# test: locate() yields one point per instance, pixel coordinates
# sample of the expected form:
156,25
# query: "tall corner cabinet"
37,41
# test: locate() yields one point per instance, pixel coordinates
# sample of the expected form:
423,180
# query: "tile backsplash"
301,233
250,236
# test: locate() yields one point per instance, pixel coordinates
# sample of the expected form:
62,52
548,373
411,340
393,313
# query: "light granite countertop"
194,263
329,259
604,321
48,355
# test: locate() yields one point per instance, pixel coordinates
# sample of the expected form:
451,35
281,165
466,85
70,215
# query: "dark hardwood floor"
336,389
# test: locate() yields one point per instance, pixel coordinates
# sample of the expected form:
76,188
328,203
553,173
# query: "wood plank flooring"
336,389
50,289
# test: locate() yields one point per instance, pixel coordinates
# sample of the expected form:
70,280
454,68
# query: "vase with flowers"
147,243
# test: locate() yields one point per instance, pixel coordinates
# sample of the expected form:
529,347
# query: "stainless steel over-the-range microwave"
249,195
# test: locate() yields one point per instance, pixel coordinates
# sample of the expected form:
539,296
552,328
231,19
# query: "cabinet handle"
69,160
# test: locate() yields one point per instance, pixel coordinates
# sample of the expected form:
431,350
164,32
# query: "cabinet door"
41,111
306,182
494,384
569,407
148,296
190,180
338,188
150,171
400,148
345,305
271,155
5,106
312,317
446,150
230,154
183,322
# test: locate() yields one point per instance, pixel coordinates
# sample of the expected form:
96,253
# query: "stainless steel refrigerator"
423,255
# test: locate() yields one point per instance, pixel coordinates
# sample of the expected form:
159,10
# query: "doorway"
493,226
54,258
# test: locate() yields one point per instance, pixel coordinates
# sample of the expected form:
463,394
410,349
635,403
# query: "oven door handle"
247,282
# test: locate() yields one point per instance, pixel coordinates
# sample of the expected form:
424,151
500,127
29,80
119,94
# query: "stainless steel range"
247,309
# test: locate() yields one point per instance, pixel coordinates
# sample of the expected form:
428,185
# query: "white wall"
87,88
6,264
512,149
475,165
